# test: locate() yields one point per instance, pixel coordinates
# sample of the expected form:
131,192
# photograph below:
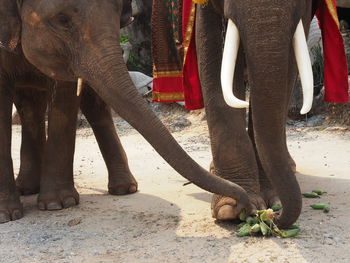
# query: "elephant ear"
10,24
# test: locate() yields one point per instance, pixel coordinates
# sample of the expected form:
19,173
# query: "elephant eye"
64,20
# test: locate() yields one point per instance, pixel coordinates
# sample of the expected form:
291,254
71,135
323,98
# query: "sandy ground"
168,222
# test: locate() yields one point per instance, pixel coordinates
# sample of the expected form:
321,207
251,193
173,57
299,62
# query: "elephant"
266,38
32,106
64,41
37,159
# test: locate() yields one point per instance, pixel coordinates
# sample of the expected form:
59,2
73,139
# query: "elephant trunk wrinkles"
108,75
270,65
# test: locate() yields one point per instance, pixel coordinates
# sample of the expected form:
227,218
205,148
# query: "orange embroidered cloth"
335,64
175,71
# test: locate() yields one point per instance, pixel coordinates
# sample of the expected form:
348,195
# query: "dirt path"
167,222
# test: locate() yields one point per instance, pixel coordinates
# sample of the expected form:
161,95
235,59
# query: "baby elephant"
47,163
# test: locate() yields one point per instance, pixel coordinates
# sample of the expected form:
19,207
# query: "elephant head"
126,17
268,37
295,37
71,39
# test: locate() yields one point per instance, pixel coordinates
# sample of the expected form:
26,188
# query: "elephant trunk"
108,76
273,49
270,64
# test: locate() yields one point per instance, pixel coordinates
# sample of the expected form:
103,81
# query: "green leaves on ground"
314,193
262,223
244,230
276,208
326,207
311,195
243,215
319,192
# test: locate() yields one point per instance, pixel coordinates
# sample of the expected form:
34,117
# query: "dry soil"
168,222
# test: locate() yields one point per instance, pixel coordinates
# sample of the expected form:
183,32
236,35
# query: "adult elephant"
67,40
267,37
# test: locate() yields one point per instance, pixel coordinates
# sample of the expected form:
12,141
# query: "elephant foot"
11,208
122,183
225,208
57,198
28,184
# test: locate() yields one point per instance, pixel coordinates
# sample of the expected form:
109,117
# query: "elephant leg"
10,205
31,106
56,185
98,114
233,153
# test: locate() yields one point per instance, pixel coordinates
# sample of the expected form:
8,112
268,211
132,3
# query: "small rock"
180,123
328,235
316,120
337,239
74,222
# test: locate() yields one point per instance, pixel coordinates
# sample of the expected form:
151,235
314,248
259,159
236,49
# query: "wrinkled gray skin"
65,40
257,160
32,102
54,157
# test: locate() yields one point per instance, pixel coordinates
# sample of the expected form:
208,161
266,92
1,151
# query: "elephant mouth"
130,21
229,59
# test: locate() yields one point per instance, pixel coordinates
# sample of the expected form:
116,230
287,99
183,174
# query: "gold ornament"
201,2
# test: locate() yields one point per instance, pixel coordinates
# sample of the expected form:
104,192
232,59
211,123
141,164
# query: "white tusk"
79,86
14,110
228,66
302,58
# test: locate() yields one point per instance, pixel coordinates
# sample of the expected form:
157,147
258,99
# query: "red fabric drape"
175,81
335,64
176,76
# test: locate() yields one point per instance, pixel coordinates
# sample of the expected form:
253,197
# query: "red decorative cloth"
175,71
335,64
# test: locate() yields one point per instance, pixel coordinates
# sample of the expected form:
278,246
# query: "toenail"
132,189
69,202
227,212
16,214
41,206
54,206
4,217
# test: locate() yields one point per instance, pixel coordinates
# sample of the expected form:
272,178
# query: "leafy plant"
124,39
262,224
